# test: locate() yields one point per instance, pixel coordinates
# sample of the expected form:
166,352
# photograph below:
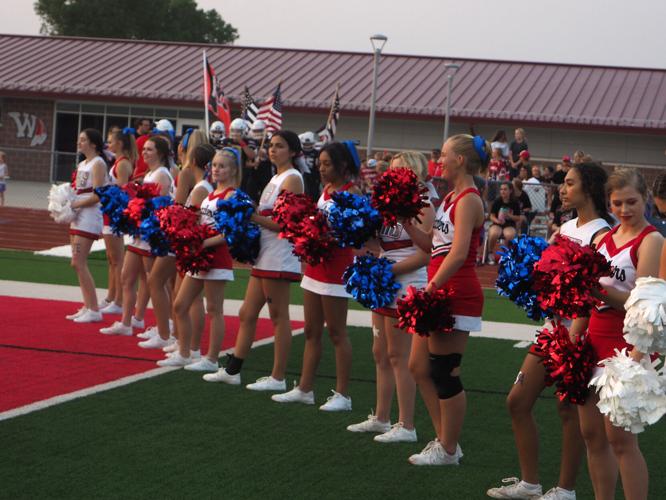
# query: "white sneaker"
372,424
435,454
138,323
156,342
397,434
78,313
196,356
148,333
203,365
294,396
267,384
111,308
171,327
117,328
558,493
336,402
171,347
516,489
174,360
89,316
103,303
221,375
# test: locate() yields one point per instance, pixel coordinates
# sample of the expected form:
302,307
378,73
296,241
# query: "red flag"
214,97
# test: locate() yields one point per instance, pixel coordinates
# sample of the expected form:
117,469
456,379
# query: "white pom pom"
631,394
645,321
60,203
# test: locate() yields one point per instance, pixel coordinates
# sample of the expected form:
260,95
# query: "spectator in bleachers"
368,174
536,175
547,174
501,142
658,216
561,170
523,173
504,215
518,145
557,215
578,157
433,163
525,204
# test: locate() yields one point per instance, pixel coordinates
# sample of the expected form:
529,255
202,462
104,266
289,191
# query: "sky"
596,32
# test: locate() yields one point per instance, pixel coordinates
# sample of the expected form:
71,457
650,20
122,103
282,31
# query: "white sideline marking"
66,250
89,391
523,344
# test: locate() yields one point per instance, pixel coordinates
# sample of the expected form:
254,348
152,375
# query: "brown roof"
414,86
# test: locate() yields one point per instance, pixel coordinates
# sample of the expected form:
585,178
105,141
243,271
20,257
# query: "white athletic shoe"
103,303
203,365
156,342
89,316
267,384
372,424
171,347
138,323
196,355
148,333
171,327
294,396
174,360
558,493
435,454
397,434
337,402
221,375
515,488
78,313
111,308
117,328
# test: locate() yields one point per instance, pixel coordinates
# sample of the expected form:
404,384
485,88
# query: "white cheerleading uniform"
326,278
222,267
276,259
397,246
202,183
139,246
88,221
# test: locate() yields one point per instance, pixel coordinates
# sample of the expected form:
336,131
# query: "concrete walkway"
490,329
27,194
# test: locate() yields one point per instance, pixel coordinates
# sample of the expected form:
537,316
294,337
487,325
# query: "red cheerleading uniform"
606,323
467,300
326,278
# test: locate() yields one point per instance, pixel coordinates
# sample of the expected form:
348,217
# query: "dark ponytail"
593,178
95,137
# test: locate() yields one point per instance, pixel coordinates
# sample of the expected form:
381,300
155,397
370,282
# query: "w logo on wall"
29,126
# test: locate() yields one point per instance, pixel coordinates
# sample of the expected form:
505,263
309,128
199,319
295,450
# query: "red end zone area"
43,355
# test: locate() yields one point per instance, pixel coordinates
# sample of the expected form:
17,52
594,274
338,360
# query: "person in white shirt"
4,175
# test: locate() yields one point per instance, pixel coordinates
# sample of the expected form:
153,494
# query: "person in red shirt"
434,169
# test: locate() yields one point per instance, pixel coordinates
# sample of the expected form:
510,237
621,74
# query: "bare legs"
419,365
115,249
80,251
164,269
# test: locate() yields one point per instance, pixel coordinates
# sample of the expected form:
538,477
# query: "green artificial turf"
26,266
175,436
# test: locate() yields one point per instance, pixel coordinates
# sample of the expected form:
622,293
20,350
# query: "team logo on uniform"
29,126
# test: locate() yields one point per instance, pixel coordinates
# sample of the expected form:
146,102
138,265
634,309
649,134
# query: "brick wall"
26,161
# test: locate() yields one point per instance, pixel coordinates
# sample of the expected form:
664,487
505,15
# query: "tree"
168,20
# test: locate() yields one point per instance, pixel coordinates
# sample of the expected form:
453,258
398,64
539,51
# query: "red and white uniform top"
222,267
151,176
583,235
88,222
607,322
467,301
326,278
202,183
276,259
113,177
84,182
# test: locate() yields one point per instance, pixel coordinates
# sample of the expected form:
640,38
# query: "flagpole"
330,112
206,92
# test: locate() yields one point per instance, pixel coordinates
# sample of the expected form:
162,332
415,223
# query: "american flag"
249,108
327,132
271,111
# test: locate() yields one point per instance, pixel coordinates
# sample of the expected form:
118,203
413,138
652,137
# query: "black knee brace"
441,367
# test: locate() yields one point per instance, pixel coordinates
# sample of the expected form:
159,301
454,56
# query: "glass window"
67,132
92,121
191,113
67,106
117,110
115,121
147,112
166,113
92,108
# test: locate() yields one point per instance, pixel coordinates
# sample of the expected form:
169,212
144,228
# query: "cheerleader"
87,226
391,346
138,256
633,249
123,146
584,191
276,267
435,360
226,176
324,297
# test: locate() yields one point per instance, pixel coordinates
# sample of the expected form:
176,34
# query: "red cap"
566,159
525,155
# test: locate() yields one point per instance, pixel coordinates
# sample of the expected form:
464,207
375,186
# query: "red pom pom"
175,218
136,207
397,193
422,312
136,210
191,256
305,226
569,365
565,277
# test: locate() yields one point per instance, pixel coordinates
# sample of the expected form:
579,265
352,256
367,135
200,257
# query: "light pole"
378,41
451,69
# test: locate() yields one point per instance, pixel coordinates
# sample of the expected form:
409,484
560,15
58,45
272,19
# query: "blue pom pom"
514,277
353,219
113,201
150,230
370,280
232,219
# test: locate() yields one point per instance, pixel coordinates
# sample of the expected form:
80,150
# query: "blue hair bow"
129,131
186,137
351,147
236,154
480,148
